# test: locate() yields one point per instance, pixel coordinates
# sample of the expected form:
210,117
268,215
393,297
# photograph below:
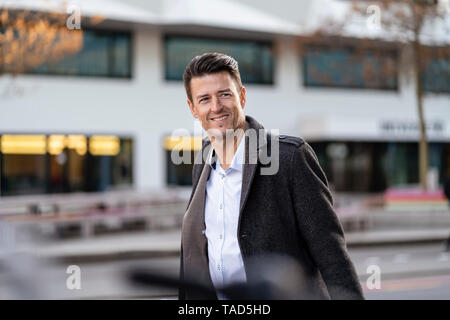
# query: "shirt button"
220,206
220,237
218,267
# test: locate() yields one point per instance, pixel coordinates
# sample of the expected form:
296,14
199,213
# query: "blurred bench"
91,214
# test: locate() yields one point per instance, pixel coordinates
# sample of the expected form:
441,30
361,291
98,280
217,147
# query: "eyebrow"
203,95
219,91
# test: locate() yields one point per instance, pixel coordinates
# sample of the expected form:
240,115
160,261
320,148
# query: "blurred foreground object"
447,194
270,277
23,274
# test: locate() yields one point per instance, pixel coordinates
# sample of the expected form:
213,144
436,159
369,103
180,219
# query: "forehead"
211,83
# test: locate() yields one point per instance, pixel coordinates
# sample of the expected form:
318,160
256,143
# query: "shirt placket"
221,224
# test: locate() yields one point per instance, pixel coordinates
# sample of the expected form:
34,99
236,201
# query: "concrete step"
167,243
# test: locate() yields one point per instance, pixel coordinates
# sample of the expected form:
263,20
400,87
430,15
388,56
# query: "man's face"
217,102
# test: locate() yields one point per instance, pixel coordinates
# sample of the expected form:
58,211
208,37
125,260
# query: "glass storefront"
40,164
375,166
349,166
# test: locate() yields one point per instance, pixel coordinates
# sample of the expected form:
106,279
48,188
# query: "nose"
216,106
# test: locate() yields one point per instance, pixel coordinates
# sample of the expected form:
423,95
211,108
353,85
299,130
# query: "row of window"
383,164
109,54
104,54
255,58
37,164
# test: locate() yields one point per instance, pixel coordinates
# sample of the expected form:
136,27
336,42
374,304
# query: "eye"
203,100
226,94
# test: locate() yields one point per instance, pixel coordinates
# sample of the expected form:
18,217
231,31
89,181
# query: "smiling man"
218,102
236,213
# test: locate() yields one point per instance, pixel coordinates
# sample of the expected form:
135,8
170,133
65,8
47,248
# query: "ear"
192,108
242,97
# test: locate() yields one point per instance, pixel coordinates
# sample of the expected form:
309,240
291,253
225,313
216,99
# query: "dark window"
255,58
348,67
104,54
106,172
23,174
179,174
344,163
436,76
180,155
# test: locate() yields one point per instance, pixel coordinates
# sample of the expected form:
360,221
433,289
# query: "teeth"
221,118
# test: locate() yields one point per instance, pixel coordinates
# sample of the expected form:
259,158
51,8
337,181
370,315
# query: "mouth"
220,118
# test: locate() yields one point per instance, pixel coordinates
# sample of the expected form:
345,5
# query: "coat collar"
251,123
237,161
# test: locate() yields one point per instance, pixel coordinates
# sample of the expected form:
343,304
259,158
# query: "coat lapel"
195,244
248,173
251,158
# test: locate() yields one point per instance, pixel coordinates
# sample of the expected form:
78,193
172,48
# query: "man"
237,213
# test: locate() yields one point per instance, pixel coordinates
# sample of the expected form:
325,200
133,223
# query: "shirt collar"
237,161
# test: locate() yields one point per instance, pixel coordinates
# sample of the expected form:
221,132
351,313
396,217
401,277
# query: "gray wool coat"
289,213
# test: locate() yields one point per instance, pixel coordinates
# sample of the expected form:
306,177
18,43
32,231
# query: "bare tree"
29,39
417,27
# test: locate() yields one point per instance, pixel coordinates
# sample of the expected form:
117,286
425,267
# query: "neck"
226,148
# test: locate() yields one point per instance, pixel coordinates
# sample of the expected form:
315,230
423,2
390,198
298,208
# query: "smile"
220,118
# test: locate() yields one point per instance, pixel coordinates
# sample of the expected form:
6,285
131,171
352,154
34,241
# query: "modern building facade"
102,119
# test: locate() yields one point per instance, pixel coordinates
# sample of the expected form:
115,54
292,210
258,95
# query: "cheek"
238,112
201,114
204,118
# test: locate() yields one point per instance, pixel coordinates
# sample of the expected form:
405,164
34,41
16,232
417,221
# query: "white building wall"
148,107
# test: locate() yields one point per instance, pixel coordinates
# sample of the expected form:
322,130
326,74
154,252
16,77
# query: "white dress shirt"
223,196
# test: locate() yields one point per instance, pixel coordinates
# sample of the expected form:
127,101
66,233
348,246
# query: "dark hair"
208,63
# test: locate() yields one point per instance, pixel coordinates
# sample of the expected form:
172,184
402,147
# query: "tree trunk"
423,143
